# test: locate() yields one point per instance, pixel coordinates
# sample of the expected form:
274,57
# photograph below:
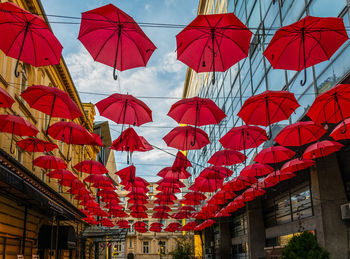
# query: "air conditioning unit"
345,211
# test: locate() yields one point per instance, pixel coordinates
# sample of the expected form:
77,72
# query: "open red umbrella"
213,42
182,138
180,162
226,157
50,162
221,197
125,109
15,125
331,106
91,167
36,145
76,183
162,208
98,179
204,225
238,183
187,208
195,196
182,215
139,214
321,149
126,174
278,176
305,43
70,133
113,38
253,192
268,107
189,226
27,37
6,100
156,227
160,215
191,202
297,165
172,227
300,133
196,111
273,155
168,172
340,132
215,172
122,223
62,174
51,101
206,185
256,170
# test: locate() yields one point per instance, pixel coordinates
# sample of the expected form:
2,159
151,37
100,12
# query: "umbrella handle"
194,137
12,150
68,153
21,49
115,76
269,137
345,128
302,83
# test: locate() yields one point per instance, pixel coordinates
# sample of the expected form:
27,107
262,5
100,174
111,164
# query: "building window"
240,225
130,243
151,188
118,246
145,247
240,251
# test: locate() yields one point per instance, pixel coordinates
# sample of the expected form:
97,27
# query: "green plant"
183,250
304,246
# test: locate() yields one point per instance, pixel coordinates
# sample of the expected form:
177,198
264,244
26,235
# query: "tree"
304,246
183,250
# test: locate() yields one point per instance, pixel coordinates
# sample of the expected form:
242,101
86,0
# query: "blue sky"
163,77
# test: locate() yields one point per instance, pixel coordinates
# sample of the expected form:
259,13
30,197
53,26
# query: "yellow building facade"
28,199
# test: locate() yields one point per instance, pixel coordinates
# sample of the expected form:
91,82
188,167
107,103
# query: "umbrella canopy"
181,215
139,214
187,208
98,179
206,185
76,183
128,141
215,172
182,138
196,111
189,226
297,165
268,107
180,162
243,137
70,133
27,37
226,157
168,172
172,227
321,149
340,132
156,227
195,196
160,215
221,197
300,133
273,155
253,192
91,167
305,43
238,183
49,162
123,223
62,174
36,145
6,100
190,202
51,101
125,109
278,176
127,174
213,42
113,38
162,208
331,106
256,170
204,225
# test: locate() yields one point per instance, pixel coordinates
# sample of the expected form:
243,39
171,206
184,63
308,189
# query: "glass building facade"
253,75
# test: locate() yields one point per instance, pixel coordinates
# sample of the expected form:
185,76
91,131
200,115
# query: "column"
256,230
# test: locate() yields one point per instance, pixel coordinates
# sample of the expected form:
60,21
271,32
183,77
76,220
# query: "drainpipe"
24,229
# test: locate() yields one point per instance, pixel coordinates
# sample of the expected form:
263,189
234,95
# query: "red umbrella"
181,215
156,227
189,226
50,162
91,167
181,138
196,111
222,213
278,176
215,172
6,100
195,196
76,183
213,42
206,184
305,43
331,106
340,132
113,38
137,207
180,162
80,191
172,227
273,155
96,140
226,157
168,172
300,133
27,37
16,126
190,202
51,101
297,165
256,170
146,146
70,133
221,197
106,222
204,225
162,208
123,223
36,145
268,107
160,215
139,214
98,179
170,182
238,183
321,149
125,109
127,174
187,208
62,174
253,192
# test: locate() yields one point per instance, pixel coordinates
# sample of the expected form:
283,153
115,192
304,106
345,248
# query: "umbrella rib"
317,43
34,51
223,35
195,39
205,45
13,42
104,44
219,50
48,43
137,47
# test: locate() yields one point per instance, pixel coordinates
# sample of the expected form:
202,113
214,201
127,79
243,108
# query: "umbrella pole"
115,76
195,126
341,114
213,39
48,124
21,49
302,83
125,106
12,151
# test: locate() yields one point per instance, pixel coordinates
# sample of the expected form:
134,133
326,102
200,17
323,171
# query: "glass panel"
326,8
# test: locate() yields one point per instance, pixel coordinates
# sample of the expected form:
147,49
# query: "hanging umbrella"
180,162
162,208
160,215
340,132
213,42
36,145
126,174
215,172
256,170
305,43
222,213
300,133
190,202
321,149
273,155
253,192
278,176
168,172
15,125
172,227
206,184
156,227
76,183
243,137
6,100
51,101
146,146
80,191
27,37
189,226
123,223
195,196
297,165
96,140
91,167
181,138
268,107
196,111
238,183
331,106
113,38
125,109
187,208
98,179
221,197
139,214
204,225
181,215
50,162
226,157
62,174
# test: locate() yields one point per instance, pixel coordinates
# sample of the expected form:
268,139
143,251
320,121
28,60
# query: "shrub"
183,250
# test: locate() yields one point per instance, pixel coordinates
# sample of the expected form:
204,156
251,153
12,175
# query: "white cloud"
147,7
